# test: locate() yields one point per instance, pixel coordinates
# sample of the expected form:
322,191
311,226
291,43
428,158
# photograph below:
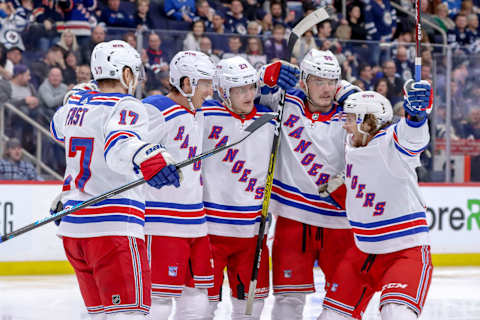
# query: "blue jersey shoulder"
160,102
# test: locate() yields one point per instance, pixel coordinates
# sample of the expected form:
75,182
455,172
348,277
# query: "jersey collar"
242,117
320,116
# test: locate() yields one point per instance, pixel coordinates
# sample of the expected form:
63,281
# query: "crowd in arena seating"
45,48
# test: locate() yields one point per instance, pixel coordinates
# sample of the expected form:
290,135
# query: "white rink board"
20,205
449,209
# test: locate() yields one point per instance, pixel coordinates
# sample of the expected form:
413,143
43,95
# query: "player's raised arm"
273,77
412,135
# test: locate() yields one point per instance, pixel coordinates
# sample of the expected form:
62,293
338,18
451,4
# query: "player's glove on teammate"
280,73
56,206
157,166
87,86
335,190
344,90
417,101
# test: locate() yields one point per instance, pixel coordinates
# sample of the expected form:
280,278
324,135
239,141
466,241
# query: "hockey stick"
250,129
418,39
305,24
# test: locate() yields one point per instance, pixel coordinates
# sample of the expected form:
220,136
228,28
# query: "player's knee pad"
328,314
192,305
98,316
134,315
288,306
394,311
239,307
161,308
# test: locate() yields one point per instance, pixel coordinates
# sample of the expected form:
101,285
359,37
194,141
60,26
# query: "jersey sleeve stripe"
54,132
211,205
389,236
115,138
404,150
176,114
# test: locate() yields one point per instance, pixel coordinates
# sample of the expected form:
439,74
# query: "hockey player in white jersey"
176,228
309,227
234,182
385,209
104,136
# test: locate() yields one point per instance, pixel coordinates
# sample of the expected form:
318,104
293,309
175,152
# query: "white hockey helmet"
322,64
231,73
110,58
194,65
369,102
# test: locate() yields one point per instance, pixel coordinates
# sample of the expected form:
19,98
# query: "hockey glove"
87,86
157,166
56,206
417,101
280,73
344,90
335,190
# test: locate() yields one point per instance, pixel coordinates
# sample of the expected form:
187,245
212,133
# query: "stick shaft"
418,39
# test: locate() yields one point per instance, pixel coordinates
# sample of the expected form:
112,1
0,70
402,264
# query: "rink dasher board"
453,215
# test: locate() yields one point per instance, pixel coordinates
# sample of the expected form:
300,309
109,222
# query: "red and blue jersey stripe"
403,149
292,196
109,210
115,136
398,227
165,212
233,215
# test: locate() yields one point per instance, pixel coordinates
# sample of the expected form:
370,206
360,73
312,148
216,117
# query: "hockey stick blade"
258,123
305,24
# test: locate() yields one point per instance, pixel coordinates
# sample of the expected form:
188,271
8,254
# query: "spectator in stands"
382,87
380,24
13,166
98,35
130,38
324,30
157,61
180,10
355,22
460,37
84,74
204,13
6,66
253,9
69,73
466,7
267,24
441,17
236,22
40,69
142,18
255,53
472,21
276,47
426,73
51,94
395,83
48,18
14,57
68,42
219,39
404,65
366,76
79,17
21,94
279,16
206,47
113,16
234,48
192,40
305,44
253,28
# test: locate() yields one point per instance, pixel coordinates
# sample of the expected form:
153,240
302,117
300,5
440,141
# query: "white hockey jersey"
311,151
234,179
101,132
170,211
384,203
